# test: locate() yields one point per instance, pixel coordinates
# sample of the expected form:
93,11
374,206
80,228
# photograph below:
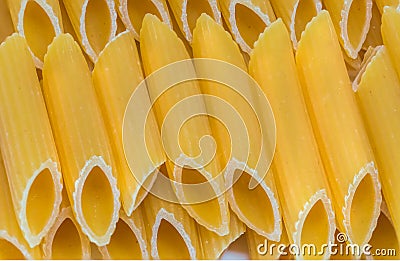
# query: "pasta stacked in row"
116,145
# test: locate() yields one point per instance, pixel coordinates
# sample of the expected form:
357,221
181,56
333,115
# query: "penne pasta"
6,28
94,22
306,205
339,130
212,245
28,16
181,116
128,242
374,36
296,14
132,13
187,12
247,19
27,144
81,139
351,20
116,76
390,34
211,41
172,233
377,85
12,242
382,3
65,239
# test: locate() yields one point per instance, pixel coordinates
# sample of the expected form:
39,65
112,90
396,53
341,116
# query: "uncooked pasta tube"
213,245
382,3
65,239
6,28
116,76
27,143
129,240
172,233
30,15
247,19
378,91
12,242
339,130
307,208
132,13
94,22
296,14
258,207
81,139
182,119
351,20
390,34
187,12
374,36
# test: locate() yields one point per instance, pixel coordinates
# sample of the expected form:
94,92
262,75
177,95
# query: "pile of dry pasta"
76,169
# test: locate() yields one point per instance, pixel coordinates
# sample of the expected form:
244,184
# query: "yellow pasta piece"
374,36
182,119
351,21
296,14
116,75
28,16
12,242
81,139
132,13
247,19
307,209
378,92
6,28
339,130
260,248
382,3
187,12
129,241
172,233
65,239
391,35
27,143
213,245
257,208
94,22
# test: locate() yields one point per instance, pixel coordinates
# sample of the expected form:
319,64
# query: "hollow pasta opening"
384,237
97,201
209,211
356,21
124,243
67,242
194,9
315,231
305,11
40,202
9,251
98,24
362,209
38,29
137,9
254,204
249,24
170,244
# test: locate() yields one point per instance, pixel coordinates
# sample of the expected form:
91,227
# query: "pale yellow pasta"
340,132
30,15
81,139
94,22
247,19
390,34
6,28
27,144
